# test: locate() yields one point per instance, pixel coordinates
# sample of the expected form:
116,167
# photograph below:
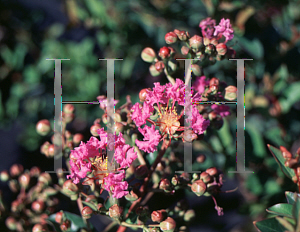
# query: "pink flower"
207,27
103,101
140,115
224,28
156,95
113,183
222,110
151,139
79,169
199,124
200,84
122,159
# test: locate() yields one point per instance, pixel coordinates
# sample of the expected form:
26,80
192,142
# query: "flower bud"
13,185
38,206
159,66
189,215
170,37
77,138
168,225
285,153
38,228
44,148
141,172
4,176
230,93
154,229
131,196
94,129
175,180
24,180
210,49
221,49
159,215
115,211
58,217
35,171
143,94
70,188
214,81
16,205
153,71
87,212
65,225
10,222
212,171
188,136
67,117
43,127
119,127
205,177
212,115
206,41
51,151
91,199
16,170
198,187
164,52
68,109
182,35
148,55
201,158
185,50
45,178
196,69
196,42
165,185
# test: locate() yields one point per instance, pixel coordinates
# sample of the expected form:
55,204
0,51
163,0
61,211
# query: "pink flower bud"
210,49
4,176
148,55
69,187
214,81
185,50
182,35
119,127
196,42
58,217
51,150
92,199
68,108
131,196
164,52
44,148
168,225
188,136
159,215
159,66
230,93
165,185
170,37
10,222
43,127
38,206
45,178
201,158
87,212
38,228
221,49
143,94
205,177
196,69
198,187
35,171
24,180
16,170
77,138
115,211
94,129
212,171
153,71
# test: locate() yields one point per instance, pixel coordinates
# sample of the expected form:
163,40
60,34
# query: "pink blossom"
207,27
140,115
79,169
122,159
103,101
199,124
151,139
113,183
222,110
225,29
200,84
157,95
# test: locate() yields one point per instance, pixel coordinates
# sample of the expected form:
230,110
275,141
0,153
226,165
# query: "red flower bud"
148,55
159,66
44,148
188,136
170,37
165,185
70,187
43,127
51,150
77,138
115,211
214,81
10,222
168,225
38,228
66,225
119,127
16,170
131,196
164,52
182,35
35,171
38,206
153,69
143,94
94,129
221,49
198,187
87,212
24,180
196,42
58,217
201,158
210,49
68,109
159,215
92,199
212,171
205,177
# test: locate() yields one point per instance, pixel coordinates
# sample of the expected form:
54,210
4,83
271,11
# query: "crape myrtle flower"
224,28
207,27
89,157
163,99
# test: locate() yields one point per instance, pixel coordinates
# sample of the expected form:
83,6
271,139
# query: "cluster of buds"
35,200
292,162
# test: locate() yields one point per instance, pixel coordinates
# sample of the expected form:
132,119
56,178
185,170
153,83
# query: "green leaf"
281,209
285,223
291,197
291,95
91,205
110,201
296,211
280,160
269,225
51,220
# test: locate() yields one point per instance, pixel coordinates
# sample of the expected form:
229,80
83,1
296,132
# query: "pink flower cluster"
81,164
208,27
113,183
160,95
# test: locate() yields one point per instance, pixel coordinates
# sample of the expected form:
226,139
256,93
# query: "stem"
171,79
80,206
140,156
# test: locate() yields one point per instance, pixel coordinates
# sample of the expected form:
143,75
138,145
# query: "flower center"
168,120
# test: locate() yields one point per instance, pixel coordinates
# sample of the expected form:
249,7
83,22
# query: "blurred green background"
84,31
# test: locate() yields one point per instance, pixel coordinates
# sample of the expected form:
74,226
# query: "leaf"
281,209
291,95
296,211
110,201
280,160
285,223
291,197
91,205
53,223
269,225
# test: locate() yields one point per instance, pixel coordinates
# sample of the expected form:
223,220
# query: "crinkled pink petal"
200,84
199,124
151,139
225,29
140,115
